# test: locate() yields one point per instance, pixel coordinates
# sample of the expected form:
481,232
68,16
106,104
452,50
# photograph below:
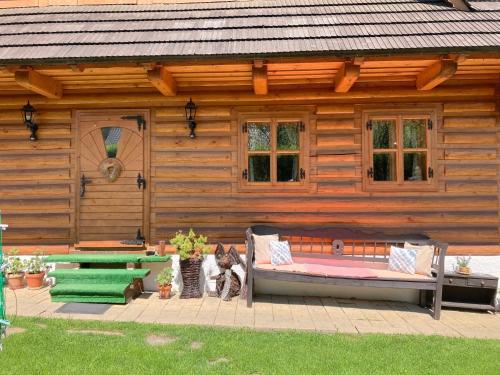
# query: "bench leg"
438,296
249,289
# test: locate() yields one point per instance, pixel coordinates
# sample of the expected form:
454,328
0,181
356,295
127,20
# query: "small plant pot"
15,281
464,270
164,291
35,280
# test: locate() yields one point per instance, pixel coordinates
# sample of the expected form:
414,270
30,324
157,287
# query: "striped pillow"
280,253
402,260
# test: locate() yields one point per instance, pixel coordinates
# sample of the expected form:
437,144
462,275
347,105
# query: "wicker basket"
190,271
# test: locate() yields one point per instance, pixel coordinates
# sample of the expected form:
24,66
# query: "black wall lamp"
190,109
29,120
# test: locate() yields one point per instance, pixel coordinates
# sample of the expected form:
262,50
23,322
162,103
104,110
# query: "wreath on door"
111,169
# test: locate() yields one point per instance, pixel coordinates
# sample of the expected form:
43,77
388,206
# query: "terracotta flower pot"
35,280
15,280
164,291
464,270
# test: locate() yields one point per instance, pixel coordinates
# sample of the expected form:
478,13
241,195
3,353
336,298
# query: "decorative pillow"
280,253
262,251
402,260
425,253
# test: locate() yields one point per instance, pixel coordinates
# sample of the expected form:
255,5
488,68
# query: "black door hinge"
244,128
302,173
369,172
369,125
83,183
141,182
302,127
429,124
244,174
140,239
141,121
430,172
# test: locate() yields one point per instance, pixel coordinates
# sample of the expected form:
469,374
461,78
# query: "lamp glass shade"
190,109
28,112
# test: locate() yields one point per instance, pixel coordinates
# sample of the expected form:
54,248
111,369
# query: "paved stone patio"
275,312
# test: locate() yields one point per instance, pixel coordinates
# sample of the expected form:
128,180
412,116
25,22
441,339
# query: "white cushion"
425,253
402,260
280,253
262,250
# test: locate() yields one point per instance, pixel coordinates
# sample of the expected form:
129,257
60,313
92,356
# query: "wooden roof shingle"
246,28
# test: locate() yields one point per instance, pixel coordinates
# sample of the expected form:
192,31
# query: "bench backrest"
344,243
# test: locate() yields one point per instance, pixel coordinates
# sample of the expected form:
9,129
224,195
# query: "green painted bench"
102,278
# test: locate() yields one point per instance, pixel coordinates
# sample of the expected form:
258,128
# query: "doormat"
83,308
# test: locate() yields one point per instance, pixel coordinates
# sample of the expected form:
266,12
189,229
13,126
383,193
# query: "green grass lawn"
46,347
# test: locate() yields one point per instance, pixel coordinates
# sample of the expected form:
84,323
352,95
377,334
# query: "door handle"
141,182
83,182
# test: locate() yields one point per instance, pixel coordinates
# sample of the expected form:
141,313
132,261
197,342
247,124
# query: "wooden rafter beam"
346,76
259,77
39,83
163,80
436,74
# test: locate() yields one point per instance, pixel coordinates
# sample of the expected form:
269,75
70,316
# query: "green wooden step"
98,276
116,289
104,258
89,299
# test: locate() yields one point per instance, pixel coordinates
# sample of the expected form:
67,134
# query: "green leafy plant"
463,261
15,265
190,245
35,264
165,276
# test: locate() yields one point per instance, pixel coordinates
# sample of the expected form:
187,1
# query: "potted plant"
15,271
463,265
164,282
35,272
190,248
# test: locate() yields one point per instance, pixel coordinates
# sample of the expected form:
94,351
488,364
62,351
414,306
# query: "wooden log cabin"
373,114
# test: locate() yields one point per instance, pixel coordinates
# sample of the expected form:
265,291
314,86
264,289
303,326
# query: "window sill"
372,187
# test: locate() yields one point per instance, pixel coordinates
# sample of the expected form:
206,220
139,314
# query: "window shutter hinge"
302,127
244,174
302,173
369,172
429,124
244,128
369,125
430,172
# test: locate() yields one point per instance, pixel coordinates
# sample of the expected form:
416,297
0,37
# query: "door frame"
146,161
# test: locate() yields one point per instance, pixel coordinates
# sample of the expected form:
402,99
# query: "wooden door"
112,178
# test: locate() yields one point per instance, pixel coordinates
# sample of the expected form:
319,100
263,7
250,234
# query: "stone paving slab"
274,313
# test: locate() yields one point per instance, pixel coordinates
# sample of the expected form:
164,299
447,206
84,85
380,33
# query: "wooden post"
161,248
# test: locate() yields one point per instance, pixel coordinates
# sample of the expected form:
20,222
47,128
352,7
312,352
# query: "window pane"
415,166
259,168
288,136
288,168
111,137
384,133
414,134
384,166
259,136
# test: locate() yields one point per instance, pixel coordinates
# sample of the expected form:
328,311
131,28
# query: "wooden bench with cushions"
356,258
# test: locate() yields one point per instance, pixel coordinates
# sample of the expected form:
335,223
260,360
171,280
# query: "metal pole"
3,317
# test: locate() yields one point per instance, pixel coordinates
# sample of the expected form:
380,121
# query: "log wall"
194,183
